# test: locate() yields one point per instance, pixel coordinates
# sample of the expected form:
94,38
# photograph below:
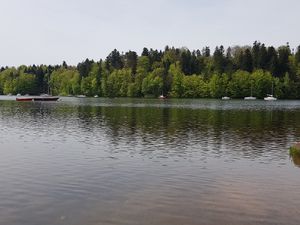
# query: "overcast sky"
50,31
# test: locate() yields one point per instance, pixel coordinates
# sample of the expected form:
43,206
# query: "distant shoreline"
237,72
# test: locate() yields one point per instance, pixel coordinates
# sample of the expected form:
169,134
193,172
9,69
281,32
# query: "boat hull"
250,98
270,99
225,98
37,99
24,99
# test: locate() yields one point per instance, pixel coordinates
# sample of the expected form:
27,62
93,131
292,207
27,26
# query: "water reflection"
240,133
120,161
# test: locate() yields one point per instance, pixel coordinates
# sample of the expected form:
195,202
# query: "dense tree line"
174,72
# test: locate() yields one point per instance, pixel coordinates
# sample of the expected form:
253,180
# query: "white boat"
225,98
96,96
270,98
81,96
250,98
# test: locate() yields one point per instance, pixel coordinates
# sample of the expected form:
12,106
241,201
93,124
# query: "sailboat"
162,96
250,97
270,97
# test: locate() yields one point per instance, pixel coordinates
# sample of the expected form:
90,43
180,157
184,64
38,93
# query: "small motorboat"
81,96
225,98
24,99
162,97
250,98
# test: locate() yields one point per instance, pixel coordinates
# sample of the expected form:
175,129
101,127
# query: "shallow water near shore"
148,161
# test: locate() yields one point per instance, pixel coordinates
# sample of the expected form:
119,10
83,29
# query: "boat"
225,98
42,98
250,97
24,99
81,96
96,96
270,98
162,97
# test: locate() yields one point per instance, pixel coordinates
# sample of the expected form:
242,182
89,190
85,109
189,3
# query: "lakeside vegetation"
173,72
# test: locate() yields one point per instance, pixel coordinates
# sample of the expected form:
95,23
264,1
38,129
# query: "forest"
237,72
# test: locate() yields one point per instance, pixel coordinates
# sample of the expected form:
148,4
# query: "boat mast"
49,89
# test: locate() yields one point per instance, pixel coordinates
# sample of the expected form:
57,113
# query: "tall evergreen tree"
272,61
206,52
131,61
219,59
114,59
255,54
262,59
186,62
283,59
297,55
245,60
84,68
145,52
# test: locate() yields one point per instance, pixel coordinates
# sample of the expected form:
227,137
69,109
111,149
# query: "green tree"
262,83
240,84
297,55
177,84
218,85
219,60
114,60
194,87
152,84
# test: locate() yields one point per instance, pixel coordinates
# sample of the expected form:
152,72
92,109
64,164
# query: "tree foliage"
175,72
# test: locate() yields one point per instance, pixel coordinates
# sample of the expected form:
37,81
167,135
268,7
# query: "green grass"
294,151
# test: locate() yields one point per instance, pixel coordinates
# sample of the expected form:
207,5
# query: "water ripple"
133,161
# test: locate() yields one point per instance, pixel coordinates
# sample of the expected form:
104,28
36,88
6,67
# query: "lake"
148,161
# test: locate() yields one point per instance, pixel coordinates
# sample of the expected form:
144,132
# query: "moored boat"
270,98
24,99
225,98
37,98
250,98
81,96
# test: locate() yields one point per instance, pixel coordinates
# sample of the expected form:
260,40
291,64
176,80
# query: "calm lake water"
146,161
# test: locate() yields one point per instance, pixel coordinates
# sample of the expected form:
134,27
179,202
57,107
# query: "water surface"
146,161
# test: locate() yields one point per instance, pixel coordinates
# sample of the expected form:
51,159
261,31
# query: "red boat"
37,98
